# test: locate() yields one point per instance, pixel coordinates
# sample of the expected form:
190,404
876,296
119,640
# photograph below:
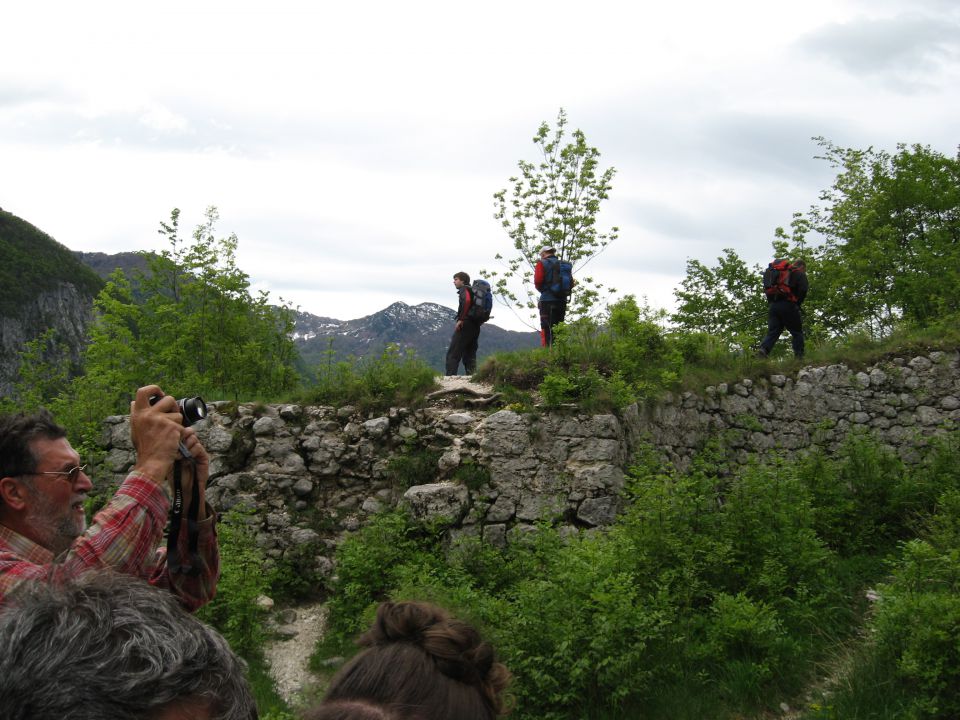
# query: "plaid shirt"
124,536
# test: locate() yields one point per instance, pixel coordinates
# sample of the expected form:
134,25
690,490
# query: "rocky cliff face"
312,474
65,309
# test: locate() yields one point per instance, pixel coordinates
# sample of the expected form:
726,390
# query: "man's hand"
156,431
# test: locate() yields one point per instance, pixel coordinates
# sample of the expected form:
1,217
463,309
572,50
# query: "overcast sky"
354,148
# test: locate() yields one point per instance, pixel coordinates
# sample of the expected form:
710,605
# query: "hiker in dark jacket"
783,312
463,344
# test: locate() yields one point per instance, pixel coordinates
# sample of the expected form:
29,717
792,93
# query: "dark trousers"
551,313
463,346
783,315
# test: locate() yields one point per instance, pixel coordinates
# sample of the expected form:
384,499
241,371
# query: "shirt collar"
24,547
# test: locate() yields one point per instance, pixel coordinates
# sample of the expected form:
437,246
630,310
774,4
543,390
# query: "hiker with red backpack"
785,285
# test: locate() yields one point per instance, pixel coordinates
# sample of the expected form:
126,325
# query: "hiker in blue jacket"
466,335
552,306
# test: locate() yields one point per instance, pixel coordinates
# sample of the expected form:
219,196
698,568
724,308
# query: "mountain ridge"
65,282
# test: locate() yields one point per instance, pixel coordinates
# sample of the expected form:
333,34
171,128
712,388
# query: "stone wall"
902,401
312,474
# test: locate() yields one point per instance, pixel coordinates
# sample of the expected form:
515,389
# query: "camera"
192,410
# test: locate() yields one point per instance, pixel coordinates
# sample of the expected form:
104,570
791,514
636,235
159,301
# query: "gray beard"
56,536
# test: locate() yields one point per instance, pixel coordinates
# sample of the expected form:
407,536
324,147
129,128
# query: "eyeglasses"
73,474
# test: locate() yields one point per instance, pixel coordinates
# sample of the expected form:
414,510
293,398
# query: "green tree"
201,329
726,300
891,228
553,202
191,326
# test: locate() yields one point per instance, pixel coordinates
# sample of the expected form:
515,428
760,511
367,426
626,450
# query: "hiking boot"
762,354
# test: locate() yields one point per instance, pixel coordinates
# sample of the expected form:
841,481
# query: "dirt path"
289,655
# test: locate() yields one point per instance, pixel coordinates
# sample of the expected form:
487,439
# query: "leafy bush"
394,378
913,661
599,365
711,585
415,464
234,611
367,567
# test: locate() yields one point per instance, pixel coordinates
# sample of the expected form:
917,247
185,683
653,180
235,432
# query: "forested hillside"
34,262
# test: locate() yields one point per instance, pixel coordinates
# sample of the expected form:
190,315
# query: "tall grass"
395,378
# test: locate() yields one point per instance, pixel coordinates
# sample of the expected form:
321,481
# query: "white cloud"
354,148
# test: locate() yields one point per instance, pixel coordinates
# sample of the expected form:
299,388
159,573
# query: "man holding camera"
43,532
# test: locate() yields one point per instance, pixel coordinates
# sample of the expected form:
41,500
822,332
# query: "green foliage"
377,383
891,225
192,327
199,330
598,364
368,566
553,202
725,301
726,588
269,702
415,464
234,611
34,262
911,667
472,475
43,372
295,577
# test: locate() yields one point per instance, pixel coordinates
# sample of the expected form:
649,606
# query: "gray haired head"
111,647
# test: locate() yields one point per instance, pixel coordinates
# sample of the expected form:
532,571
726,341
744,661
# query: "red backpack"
778,281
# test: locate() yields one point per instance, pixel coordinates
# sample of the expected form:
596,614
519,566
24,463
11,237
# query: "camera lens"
193,410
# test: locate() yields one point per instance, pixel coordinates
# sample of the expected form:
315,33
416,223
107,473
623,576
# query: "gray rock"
534,508
303,536
290,412
287,616
927,415
598,512
442,502
371,506
266,426
377,427
502,510
302,487
495,535
449,460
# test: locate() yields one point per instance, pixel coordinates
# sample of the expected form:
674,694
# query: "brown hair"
418,658
350,710
17,432
462,276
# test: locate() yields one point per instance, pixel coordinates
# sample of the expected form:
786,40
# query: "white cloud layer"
354,147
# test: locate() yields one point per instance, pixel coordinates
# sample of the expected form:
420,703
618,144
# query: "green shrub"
394,378
367,565
713,585
413,465
234,611
471,474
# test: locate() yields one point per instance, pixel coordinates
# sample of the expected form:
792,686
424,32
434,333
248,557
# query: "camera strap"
193,564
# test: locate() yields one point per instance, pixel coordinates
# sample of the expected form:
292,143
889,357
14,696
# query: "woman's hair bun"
455,646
